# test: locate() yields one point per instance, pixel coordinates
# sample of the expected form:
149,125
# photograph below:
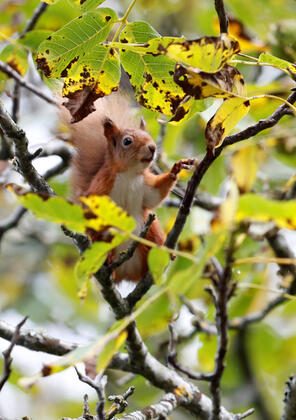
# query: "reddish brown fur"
105,165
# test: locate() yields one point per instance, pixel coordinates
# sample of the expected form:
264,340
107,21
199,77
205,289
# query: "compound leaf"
150,75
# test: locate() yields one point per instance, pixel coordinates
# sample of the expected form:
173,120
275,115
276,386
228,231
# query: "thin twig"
7,353
99,386
223,20
222,294
40,9
173,359
10,72
119,403
126,255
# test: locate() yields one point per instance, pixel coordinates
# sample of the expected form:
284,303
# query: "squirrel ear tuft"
110,128
142,124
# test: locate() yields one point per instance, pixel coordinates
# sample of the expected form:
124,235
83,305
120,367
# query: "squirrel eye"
127,141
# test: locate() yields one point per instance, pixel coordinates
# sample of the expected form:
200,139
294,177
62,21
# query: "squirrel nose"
152,148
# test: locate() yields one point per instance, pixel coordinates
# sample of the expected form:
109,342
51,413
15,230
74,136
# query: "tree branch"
209,158
223,20
119,403
23,157
7,354
289,412
10,72
160,410
40,9
98,384
36,341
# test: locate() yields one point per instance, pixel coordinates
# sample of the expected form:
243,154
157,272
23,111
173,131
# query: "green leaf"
158,260
182,281
155,318
226,118
34,38
93,258
151,76
69,44
103,213
257,208
90,4
286,66
54,209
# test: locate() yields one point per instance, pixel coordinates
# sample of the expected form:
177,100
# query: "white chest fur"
128,193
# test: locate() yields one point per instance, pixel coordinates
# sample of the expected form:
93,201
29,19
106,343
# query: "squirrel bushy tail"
88,138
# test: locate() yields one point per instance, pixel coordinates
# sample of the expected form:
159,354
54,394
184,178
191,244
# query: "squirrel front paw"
181,164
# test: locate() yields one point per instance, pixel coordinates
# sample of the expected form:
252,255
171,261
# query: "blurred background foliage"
37,261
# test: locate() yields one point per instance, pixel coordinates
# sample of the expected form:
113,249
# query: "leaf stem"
123,20
278,98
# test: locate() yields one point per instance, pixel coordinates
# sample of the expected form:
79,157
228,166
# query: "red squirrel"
114,155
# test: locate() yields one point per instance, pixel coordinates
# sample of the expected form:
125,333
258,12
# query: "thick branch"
23,157
161,410
290,400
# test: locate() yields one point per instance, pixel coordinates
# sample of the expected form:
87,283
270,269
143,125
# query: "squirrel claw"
182,164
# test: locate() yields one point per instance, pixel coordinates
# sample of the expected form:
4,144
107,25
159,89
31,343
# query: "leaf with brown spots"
226,83
207,54
95,75
226,118
16,57
90,70
150,75
187,109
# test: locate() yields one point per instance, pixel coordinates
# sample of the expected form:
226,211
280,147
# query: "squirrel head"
129,149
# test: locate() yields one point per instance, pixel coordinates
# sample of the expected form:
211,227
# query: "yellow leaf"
227,211
208,54
226,83
103,213
226,118
245,163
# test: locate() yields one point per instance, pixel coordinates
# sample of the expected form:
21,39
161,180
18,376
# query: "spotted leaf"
226,83
103,213
226,118
74,53
16,57
150,75
207,54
